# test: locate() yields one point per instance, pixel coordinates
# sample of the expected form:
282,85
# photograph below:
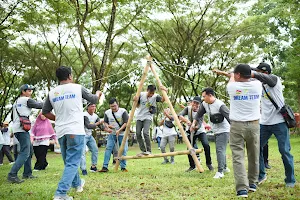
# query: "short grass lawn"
149,179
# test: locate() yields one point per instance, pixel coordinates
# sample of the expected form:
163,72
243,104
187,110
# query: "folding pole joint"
192,151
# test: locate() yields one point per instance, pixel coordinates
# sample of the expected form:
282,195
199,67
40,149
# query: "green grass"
148,179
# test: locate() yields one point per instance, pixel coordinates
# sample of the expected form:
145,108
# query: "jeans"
281,133
111,142
71,150
205,144
91,143
40,153
24,157
266,153
221,144
244,135
5,151
171,139
158,139
145,125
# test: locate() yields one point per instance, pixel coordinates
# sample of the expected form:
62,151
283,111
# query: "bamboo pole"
158,155
174,114
131,115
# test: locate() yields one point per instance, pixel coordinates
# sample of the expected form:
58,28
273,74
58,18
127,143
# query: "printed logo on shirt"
243,95
64,97
265,94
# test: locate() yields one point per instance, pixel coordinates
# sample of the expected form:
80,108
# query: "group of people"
250,122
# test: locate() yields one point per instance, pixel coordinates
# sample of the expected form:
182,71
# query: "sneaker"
226,170
93,169
35,170
14,179
172,162
190,169
104,169
114,162
63,198
147,153
80,188
260,181
165,162
1,164
29,177
84,172
252,187
158,148
267,166
11,163
124,170
242,193
219,175
290,185
210,167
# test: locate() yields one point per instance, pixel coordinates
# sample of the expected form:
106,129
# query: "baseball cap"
197,98
26,87
264,67
243,69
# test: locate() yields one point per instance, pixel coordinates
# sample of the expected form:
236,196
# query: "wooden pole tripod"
174,114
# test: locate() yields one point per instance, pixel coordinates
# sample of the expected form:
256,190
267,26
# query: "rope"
112,75
190,81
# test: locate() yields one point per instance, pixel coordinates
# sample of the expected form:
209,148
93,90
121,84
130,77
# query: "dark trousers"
6,151
40,153
205,144
266,153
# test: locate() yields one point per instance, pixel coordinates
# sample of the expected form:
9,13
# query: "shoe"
11,163
84,172
210,167
80,188
93,169
29,177
114,162
267,166
147,153
226,170
104,169
242,193
1,164
252,187
124,170
140,154
172,162
260,181
290,185
63,198
165,162
219,175
158,148
190,169
36,170
14,179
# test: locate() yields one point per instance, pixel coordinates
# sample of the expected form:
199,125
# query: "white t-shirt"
145,102
92,118
168,131
157,132
121,115
244,100
66,100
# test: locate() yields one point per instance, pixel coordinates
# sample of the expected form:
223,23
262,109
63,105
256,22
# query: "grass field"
148,179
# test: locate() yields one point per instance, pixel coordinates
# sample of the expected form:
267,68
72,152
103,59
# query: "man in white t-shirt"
272,122
147,107
157,134
66,100
244,116
5,133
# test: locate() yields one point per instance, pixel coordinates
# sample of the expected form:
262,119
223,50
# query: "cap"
5,122
197,98
243,69
26,87
264,67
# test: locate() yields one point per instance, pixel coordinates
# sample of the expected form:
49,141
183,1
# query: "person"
266,156
244,116
41,133
91,121
115,121
196,132
147,107
15,146
168,135
66,101
1,144
272,122
157,135
215,109
5,134
22,107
